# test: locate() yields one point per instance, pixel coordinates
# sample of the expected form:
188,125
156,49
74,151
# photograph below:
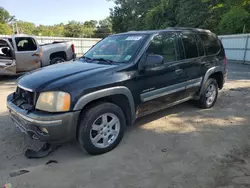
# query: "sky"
50,12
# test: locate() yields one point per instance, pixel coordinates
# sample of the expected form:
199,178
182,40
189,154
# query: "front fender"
84,100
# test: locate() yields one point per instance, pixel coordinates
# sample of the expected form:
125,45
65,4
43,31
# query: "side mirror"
153,61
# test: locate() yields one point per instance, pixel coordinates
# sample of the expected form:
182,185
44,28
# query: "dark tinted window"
165,45
210,43
25,44
200,47
190,45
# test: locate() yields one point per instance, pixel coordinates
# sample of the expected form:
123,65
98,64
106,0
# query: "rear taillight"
225,60
73,48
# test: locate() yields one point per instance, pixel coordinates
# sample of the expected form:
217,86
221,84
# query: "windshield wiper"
85,57
110,62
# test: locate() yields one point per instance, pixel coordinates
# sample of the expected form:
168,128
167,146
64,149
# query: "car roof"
148,32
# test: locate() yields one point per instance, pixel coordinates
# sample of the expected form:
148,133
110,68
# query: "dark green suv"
123,77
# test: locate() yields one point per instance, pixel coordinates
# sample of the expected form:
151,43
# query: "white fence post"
246,48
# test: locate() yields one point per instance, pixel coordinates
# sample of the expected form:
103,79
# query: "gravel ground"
179,147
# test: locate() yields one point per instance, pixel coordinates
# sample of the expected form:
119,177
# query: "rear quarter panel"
53,48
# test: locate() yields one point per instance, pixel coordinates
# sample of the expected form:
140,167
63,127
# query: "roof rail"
188,28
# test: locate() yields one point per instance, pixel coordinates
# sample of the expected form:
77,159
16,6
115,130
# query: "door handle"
178,71
36,54
206,64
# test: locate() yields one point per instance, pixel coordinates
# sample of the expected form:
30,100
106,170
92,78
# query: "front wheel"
209,95
101,128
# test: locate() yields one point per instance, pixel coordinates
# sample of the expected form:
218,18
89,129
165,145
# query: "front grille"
24,99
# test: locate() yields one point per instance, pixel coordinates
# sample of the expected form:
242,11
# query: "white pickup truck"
22,53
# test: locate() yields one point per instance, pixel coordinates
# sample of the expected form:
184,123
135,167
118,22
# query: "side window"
190,46
25,44
210,43
200,47
165,45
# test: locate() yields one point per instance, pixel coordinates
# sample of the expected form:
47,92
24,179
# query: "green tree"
58,30
73,29
5,29
5,16
78,29
91,23
26,27
104,28
234,21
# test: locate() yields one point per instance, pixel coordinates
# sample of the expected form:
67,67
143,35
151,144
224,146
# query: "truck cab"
22,53
19,53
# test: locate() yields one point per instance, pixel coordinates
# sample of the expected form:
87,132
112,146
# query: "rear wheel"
56,60
101,128
209,95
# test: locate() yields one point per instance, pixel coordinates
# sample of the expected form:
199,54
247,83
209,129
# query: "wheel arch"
61,54
216,73
121,96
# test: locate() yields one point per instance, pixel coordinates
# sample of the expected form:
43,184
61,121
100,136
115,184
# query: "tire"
56,60
91,137
204,101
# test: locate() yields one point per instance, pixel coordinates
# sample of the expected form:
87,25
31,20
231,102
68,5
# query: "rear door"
27,53
193,53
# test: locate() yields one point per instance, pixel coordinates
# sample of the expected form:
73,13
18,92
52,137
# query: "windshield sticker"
127,57
134,38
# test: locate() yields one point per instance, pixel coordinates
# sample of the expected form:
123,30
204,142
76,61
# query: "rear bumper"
47,127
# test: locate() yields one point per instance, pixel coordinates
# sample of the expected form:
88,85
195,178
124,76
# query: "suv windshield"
120,48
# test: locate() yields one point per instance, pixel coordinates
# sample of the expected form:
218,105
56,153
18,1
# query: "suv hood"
40,78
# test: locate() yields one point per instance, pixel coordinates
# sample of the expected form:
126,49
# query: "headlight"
55,101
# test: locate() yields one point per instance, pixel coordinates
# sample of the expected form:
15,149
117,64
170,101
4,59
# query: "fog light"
45,130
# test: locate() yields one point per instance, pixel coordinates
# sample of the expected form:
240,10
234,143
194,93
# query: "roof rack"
189,28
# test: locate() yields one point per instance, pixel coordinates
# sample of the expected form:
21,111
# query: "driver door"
27,53
7,61
164,85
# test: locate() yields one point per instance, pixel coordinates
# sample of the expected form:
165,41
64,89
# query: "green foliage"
26,27
216,15
78,29
104,28
5,29
234,21
5,17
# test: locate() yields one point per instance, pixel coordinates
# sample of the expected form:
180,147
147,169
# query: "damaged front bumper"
48,127
8,68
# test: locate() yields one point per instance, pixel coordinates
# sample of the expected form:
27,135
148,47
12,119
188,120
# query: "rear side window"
210,43
200,46
190,45
165,44
25,44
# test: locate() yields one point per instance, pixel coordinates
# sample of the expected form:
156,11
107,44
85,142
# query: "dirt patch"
234,169
181,147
